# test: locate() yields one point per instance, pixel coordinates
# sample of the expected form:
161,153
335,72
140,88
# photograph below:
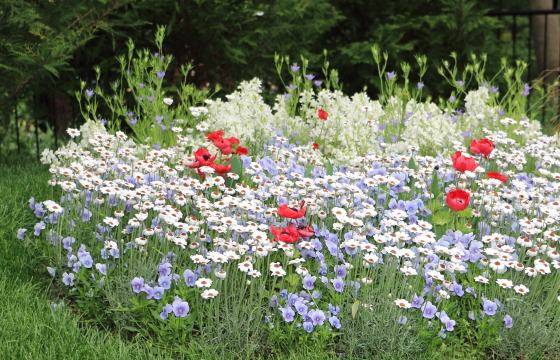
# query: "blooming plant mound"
440,239
397,213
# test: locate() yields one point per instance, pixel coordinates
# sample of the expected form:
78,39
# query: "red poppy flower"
203,158
288,234
291,213
323,115
221,169
462,163
241,151
215,135
483,147
226,144
497,175
315,146
305,231
458,200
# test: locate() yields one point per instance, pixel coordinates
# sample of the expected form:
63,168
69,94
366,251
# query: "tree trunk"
546,36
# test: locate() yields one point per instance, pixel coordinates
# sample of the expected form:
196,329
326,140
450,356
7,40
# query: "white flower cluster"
426,126
48,157
356,125
244,115
478,112
351,128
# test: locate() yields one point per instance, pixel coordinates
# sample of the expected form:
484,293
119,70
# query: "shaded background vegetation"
48,46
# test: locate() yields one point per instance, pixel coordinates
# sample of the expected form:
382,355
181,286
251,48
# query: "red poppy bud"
221,169
305,231
241,151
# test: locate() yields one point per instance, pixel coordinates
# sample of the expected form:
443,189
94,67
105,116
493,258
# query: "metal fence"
554,110
514,31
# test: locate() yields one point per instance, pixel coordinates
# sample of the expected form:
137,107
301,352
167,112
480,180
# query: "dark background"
48,46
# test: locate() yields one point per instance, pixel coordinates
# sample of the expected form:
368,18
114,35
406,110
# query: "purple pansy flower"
68,279
509,321
21,234
489,307
429,310
180,308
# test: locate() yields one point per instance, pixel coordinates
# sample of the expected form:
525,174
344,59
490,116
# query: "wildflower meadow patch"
358,227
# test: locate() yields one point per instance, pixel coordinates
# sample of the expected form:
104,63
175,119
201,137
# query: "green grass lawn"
30,327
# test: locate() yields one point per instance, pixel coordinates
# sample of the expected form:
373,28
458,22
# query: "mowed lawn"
29,326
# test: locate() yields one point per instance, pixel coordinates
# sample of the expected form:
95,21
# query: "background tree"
48,46
38,41
434,28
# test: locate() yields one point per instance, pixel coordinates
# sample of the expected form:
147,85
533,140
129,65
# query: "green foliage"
404,29
39,38
229,41
141,99
46,45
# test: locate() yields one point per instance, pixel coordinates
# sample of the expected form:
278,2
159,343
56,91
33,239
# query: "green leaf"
121,309
462,228
412,164
467,213
355,308
131,328
237,168
435,184
434,206
442,217
154,328
293,279
155,314
297,253
308,171
329,168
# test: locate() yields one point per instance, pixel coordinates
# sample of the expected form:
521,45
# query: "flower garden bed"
361,227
